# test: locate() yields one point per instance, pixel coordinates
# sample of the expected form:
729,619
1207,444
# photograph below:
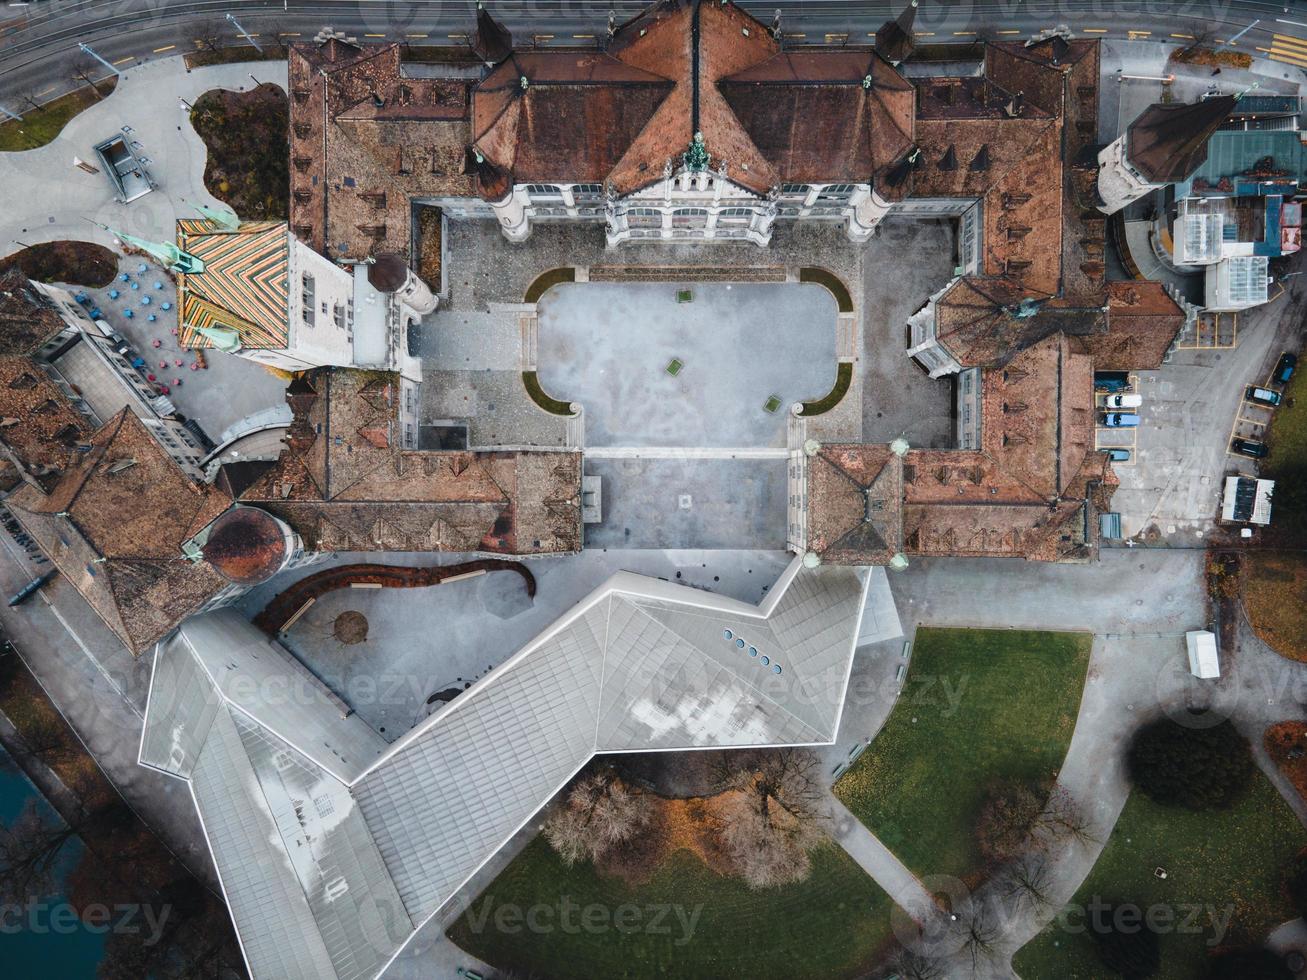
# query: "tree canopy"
1196,768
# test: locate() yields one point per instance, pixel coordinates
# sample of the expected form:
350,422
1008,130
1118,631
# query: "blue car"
1118,455
1120,420
1284,368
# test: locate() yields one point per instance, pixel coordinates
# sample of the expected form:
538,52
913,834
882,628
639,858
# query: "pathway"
47,198
880,862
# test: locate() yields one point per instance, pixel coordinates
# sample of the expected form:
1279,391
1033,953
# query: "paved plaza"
608,347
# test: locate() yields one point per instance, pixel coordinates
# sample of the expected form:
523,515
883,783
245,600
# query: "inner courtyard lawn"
977,706
832,925
1233,861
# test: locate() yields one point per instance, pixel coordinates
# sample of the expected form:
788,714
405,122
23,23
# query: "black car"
1284,368
1247,447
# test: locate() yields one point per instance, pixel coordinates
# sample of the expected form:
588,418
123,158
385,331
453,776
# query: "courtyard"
665,364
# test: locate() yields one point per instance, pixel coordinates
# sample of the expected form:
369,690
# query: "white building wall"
1119,183
320,311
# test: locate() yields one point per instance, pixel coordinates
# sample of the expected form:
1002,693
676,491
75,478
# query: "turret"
1166,144
248,546
895,40
389,273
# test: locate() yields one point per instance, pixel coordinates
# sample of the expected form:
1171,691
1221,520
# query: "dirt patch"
350,627
429,220
1275,600
1286,744
246,135
77,263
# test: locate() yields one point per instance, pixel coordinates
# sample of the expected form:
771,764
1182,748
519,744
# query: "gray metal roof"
328,862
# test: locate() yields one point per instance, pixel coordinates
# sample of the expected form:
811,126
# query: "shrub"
1195,768
1133,953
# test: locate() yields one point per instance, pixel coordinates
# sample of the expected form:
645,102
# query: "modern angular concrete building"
333,847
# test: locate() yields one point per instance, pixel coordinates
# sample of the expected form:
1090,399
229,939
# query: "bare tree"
208,34
1008,816
1065,818
774,818
916,966
978,929
1028,880
598,813
30,850
83,68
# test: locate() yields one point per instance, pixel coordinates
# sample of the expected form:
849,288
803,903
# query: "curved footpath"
48,198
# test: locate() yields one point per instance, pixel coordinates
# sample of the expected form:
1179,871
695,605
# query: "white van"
1123,401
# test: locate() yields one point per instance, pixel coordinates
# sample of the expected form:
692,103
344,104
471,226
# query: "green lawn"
1288,435
1231,860
39,126
978,705
827,927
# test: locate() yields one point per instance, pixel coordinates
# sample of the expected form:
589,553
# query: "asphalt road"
38,40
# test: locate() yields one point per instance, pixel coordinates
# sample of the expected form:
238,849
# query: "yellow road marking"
924,33
1290,40
1140,33
964,33
1008,32
44,90
374,35
289,34
1093,30
1186,37
416,35
584,37
1286,55
123,61
457,37
166,47
836,37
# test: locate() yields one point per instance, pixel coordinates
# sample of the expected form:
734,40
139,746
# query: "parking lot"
1192,408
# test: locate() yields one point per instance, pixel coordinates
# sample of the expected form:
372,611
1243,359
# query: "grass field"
1288,435
827,927
978,705
39,126
1229,861
1275,597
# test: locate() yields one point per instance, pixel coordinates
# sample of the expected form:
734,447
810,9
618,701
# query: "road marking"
1134,34
1295,23
374,35
457,37
290,34
1093,30
964,33
924,33
1009,32
45,90
166,47
583,37
1289,40
415,35
1288,56
1185,37
836,37
123,61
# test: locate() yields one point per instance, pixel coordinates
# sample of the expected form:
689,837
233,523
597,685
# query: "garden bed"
977,706
246,135
75,263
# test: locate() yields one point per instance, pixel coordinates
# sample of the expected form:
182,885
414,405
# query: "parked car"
1284,368
1249,447
1120,420
1262,396
1118,455
1123,401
